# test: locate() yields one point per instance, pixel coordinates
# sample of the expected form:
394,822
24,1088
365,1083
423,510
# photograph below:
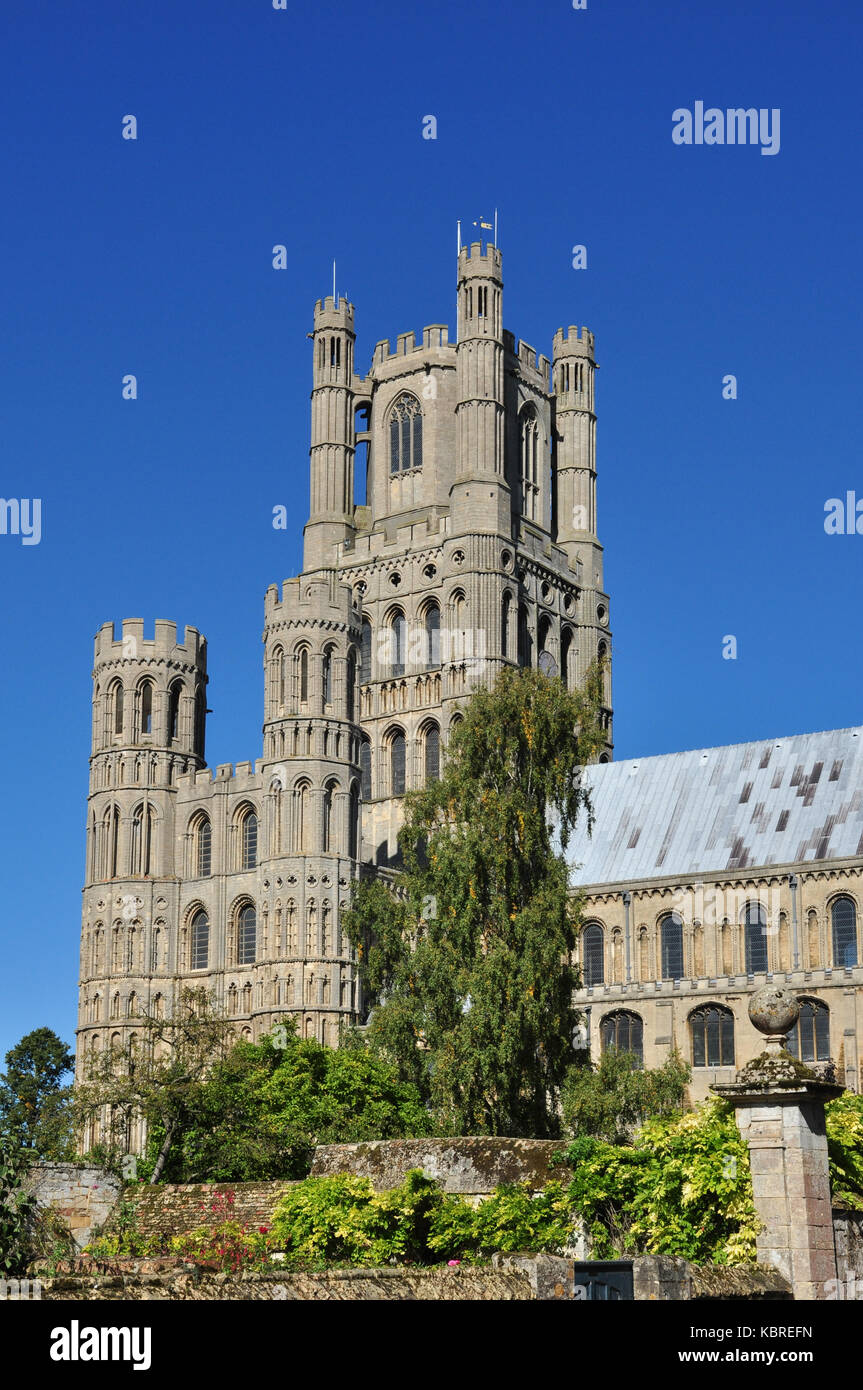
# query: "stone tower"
467,543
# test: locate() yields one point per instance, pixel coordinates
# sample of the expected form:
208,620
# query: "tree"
35,1107
262,1109
469,958
159,1082
612,1099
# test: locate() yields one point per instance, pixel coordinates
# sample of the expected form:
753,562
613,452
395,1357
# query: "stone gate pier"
779,1108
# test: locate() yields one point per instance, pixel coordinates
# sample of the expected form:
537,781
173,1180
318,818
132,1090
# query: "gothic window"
328,816
156,954
406,434
117,701
624,1032
565,652
809,1039
203,847
247,930
398,642
351,687
301,817
311,929
303,664
366,652
432,753
843,917
529,463
671,947
200,941
354,826
397,763
505,624
147,708
174,710
292,944
525,644
712,1033
593,955
142,838
276,810
328,676
129,955
432,636
755,938
248,838
366,768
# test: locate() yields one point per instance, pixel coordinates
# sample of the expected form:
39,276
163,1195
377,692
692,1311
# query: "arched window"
712,1032
366,652
366,768
525,644
843,917
142,839
529,463
624,1032
327,827
593,955
354,825
327,671
398,643
406,434
671,946
174,709
504,625
301,817
303,662
809,1039
247,931
117,699
432,753
755,938
248,828
351,684
203,847
200,941
566,674
397,764
156,950
147,708
432,636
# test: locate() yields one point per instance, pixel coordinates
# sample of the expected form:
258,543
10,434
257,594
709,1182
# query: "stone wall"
172,1208
470,1167
83,1196
371,1285
848,1233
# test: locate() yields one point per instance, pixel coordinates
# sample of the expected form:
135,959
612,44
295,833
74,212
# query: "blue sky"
303,127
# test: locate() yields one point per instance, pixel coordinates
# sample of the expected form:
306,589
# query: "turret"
332,445
480,497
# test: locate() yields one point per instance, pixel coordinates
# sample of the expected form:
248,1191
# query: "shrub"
342,1220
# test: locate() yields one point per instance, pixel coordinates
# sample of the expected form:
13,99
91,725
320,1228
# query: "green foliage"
17,1209
35,1107
469,959
513,1218
683,1189
844,1123
261,1110
611,1099
343,1220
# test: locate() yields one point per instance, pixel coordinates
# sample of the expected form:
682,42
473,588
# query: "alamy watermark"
733,126
21,518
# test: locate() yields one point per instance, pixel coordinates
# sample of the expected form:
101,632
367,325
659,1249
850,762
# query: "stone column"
779,1108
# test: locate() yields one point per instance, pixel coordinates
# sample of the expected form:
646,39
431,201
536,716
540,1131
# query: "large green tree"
469,955
35,1105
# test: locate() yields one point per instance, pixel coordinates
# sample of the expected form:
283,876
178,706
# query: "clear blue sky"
303,127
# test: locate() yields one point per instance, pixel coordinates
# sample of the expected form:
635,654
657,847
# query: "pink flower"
453,1263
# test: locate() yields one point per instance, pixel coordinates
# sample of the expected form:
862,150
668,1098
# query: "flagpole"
495,226
458,237
335,304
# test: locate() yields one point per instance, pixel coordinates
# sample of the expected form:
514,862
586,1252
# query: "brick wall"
172,1208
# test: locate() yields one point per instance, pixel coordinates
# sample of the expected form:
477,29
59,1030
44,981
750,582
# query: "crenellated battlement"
575,342
239,777
330,313
473,262
132,645
527,358
317,598
434,335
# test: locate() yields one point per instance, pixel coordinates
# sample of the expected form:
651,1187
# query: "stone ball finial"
773,1010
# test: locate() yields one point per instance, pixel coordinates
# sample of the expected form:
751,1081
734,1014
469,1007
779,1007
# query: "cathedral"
709,872
476,547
